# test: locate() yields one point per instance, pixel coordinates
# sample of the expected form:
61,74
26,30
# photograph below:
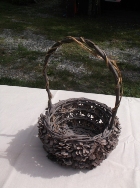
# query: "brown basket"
80,132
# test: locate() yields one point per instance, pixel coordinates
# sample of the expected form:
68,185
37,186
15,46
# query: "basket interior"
80,117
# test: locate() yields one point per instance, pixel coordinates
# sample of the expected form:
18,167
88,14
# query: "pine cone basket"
80,132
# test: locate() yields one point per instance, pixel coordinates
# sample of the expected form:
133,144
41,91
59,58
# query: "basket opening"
80,118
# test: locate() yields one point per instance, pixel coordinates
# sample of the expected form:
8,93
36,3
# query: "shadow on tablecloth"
26,154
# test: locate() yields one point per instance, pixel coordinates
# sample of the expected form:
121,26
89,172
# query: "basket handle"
95,51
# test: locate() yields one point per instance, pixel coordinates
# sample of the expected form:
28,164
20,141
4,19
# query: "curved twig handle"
95,51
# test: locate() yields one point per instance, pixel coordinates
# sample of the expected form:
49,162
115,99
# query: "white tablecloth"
23,162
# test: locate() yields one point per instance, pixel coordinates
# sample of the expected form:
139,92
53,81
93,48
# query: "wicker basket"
80,132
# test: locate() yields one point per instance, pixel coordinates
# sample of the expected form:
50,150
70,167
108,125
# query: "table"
23,161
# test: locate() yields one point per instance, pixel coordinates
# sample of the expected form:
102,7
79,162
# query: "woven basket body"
80,132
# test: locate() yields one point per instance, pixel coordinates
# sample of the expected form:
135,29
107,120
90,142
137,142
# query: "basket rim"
48,115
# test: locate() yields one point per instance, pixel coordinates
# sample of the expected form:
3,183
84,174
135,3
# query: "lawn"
71,68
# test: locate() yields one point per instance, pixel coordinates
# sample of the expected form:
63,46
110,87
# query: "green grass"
108,31
21,59
17,82
92,84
